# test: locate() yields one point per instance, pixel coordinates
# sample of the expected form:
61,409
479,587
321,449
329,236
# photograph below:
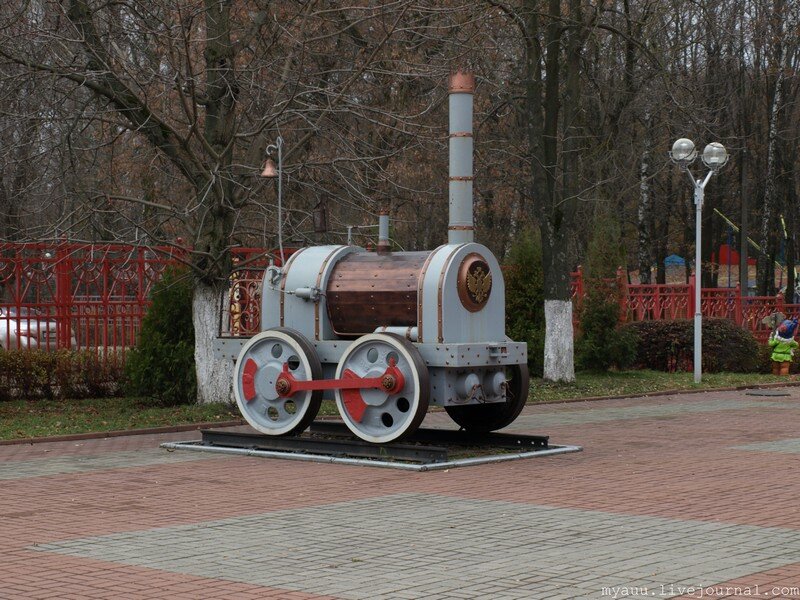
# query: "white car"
28,328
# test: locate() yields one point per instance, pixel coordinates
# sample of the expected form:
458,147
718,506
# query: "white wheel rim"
401,407
266,411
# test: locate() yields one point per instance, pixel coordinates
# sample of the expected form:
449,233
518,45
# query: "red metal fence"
79,296
85,296
94,296
646,302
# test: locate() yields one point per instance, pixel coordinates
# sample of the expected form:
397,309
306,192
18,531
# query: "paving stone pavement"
405,542
791,445
669,494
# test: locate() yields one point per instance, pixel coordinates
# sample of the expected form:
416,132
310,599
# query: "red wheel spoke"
353,402
249,379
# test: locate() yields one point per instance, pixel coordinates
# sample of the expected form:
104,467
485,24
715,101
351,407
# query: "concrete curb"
737,388
94,435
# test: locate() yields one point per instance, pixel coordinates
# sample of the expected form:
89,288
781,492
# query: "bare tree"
199,89
147,121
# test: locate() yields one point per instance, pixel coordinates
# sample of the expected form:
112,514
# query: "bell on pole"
270,172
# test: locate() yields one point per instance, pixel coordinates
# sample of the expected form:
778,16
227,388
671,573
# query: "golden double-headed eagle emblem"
474,282
479,284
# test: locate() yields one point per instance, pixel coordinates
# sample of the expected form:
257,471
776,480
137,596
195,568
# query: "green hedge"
669,346
32,374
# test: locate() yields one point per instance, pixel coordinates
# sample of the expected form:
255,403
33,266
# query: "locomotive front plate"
474,282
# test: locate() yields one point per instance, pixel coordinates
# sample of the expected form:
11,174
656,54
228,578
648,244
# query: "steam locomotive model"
387,334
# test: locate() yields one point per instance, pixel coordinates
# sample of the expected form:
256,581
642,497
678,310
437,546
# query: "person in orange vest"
783,344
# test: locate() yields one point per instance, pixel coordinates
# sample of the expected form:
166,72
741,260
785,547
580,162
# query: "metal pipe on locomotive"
387,334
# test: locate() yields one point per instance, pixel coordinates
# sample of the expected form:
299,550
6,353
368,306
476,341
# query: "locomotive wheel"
375,415
257,369
482,418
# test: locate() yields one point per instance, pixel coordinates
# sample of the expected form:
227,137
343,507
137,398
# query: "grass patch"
39,418
588,384
328,409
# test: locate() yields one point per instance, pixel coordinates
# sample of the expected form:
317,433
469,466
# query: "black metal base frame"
334,439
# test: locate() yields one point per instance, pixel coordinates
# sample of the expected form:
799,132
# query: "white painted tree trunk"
214,377
559,364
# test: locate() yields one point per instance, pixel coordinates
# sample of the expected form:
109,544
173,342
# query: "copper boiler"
368,290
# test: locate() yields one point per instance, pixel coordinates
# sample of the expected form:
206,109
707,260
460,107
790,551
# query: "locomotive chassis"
456,357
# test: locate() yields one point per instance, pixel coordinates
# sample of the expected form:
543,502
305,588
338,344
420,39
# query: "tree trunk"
645,207
212,263
214,377
790,280
559,348
661,223
770,184
555,196
789,196
744,270
559,342
687,239
716,234
708,258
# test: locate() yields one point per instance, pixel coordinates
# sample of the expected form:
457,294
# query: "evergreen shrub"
162,364
601,344
525,297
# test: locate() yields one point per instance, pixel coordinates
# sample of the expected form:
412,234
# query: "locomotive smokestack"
460,228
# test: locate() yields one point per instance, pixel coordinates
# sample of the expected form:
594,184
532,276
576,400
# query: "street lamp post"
714,157
270,172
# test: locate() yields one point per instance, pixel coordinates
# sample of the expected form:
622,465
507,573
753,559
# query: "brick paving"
681,496
63,465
